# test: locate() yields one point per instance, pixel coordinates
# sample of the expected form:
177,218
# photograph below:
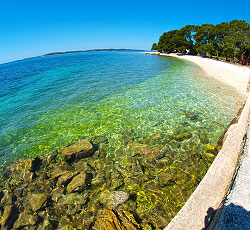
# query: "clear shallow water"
53,101
161,117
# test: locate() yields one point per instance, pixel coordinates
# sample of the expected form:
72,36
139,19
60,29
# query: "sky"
34,27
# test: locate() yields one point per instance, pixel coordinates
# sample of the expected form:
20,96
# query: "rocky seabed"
81,186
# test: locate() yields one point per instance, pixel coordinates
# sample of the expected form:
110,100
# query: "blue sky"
31,28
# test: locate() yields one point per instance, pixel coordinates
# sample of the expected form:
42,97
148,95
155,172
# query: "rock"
166,179
58,172
67,227
65,178
116,183
78,183
112,220
57,193
80,149
108,221
82,165
99,139
26,219
5,221
149,152
113,199
28,164
46,225
73,199
193,116
7,198
128,220
182,134
51,157
98,180
152,153
37,201
87,220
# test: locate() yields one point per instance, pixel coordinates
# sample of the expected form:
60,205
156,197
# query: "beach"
235,76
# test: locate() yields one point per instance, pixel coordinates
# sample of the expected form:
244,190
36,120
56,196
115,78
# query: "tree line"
228,40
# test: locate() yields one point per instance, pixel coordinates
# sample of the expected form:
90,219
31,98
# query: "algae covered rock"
67,227
149,152
194,116
112,220
7,198
57,193
37,201
113,199
80,149
66,177
5,221
73,199
45,225
78,183
25,220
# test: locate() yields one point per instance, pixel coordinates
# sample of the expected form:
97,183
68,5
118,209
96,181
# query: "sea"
129,99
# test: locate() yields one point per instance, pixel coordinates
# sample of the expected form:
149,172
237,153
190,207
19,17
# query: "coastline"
204,206
49,184
234,76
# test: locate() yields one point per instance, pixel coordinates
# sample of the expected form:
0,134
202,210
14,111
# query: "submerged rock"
67,227
149,152
193,116
45,225
73,199
37,201
113,199
26,220
5,221
78,183
65,178
112,220
7,198
80,149
57,193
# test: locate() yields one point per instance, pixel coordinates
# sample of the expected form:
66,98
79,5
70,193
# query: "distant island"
84,51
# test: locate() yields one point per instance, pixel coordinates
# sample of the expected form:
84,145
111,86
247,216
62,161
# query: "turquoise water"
52,101
155,121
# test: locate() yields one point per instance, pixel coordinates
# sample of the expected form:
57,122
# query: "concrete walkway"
235,212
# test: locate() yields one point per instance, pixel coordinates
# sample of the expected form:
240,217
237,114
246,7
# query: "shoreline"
204,206
237,77
72,180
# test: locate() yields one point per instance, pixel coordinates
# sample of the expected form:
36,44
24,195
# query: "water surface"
133,100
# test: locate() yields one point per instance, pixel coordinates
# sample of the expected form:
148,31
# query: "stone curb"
211,191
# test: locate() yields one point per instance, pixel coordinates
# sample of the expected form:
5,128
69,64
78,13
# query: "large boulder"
80,149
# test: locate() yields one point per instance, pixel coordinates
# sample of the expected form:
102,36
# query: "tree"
154,46
240,32
204,37
225,39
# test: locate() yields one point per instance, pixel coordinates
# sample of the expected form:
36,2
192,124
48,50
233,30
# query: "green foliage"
154,46
228,40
